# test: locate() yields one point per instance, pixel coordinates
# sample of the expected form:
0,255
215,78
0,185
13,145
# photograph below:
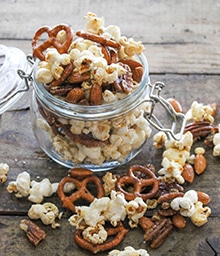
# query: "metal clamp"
155,98
27,77
23,75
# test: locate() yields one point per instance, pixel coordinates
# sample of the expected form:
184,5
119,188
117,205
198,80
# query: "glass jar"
96,137
12,87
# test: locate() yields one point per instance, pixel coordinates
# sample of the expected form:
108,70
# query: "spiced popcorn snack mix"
86,72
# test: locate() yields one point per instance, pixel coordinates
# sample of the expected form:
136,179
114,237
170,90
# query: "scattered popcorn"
159,139
35,191
200,215
21,187
116,208
113,209
199,112
109,182
47,212
175,156
129,251
189,206
95,235
172,169
4,169
199,150
41,189
216,142
135,210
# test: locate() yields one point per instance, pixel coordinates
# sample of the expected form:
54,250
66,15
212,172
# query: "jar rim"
112,109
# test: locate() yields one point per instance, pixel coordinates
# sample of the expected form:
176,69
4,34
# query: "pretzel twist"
141,178
80,177
118,234
99,39
38,50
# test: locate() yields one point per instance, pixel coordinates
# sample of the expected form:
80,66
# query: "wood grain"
182,45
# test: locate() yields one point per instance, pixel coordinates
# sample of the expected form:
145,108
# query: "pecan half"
156,232
199,129
33,232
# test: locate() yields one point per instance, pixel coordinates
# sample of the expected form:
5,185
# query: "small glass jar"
95,137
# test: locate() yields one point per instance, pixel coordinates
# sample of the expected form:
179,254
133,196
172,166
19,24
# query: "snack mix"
92,67
120,202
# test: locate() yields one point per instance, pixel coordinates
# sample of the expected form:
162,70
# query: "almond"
96,94
179,221
188,173
199,163
203,197
175,104
75,95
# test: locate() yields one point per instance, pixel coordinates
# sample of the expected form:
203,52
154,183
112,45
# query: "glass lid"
12,86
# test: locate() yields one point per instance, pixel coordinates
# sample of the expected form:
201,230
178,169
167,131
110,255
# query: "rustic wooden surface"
182,41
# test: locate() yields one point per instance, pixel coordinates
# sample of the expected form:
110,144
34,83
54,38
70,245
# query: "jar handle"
27,77
155,98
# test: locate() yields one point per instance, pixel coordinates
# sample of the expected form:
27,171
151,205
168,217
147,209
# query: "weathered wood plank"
150,21
13,241
179,37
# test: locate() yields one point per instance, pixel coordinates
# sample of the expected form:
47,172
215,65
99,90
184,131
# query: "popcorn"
52,66
112,32
172,169
116,208
95,235
216,142
109,182
135,210
47,212
41,189
113,210
4,169
200,215
94,23
90,215
175,156
21,186
35,191
129,251
199,112
159,139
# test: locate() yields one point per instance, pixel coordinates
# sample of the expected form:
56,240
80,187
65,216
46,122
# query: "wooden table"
182,45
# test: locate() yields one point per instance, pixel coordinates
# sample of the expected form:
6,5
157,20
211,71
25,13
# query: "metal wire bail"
155,98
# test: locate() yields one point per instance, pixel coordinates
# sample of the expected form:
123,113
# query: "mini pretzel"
141,178
80,177
52,40
118,232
